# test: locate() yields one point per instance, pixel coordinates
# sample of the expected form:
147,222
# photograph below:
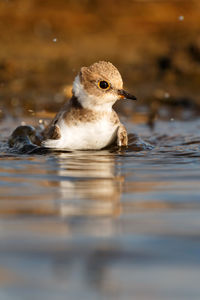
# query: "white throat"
91,101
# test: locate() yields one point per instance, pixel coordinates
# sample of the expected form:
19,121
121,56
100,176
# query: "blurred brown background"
154,43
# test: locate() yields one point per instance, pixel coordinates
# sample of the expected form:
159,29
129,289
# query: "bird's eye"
103,85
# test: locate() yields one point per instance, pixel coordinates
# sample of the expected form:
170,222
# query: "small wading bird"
88,121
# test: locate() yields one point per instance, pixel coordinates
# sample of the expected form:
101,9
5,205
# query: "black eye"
103,85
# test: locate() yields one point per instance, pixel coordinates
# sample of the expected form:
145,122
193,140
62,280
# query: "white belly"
84,136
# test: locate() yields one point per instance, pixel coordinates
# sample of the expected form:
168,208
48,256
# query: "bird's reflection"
89,183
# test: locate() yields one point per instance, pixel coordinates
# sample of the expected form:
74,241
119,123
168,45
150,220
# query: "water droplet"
166,95
55,40
181,18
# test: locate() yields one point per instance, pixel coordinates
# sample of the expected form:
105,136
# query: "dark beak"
124,95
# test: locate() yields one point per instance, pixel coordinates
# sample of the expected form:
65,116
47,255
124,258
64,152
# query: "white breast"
85,135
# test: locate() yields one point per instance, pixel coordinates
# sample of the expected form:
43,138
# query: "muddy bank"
155,45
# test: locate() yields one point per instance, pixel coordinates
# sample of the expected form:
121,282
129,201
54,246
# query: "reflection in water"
89,184
79,183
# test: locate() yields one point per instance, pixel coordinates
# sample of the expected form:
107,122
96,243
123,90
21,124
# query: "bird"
88,121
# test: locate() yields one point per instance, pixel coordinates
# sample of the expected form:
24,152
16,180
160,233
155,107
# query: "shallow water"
103,224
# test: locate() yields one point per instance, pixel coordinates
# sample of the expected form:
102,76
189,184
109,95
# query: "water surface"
103,224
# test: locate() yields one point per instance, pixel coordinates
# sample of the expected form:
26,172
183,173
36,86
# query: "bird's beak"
124,95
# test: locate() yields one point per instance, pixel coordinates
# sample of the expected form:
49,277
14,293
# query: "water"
103,224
